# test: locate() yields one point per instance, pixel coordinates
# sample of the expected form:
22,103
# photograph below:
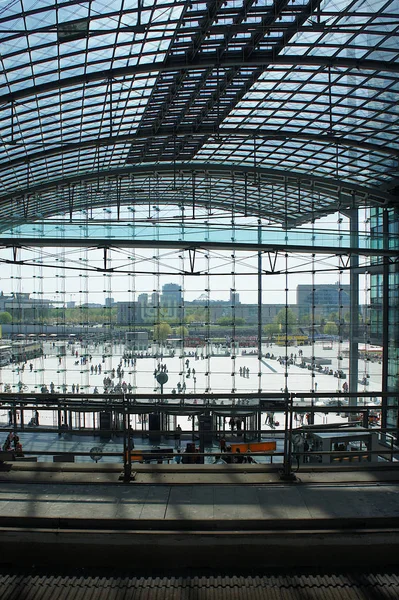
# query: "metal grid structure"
289,106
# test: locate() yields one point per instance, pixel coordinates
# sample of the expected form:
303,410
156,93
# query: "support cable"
208,346
233,300
341,318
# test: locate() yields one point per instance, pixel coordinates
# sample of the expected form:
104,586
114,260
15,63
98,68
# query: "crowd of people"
229,457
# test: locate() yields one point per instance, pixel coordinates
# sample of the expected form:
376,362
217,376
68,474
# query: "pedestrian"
306,449
177,436
249,458
238,458
222,443
7,444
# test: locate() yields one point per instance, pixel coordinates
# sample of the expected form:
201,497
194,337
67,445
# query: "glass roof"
277,109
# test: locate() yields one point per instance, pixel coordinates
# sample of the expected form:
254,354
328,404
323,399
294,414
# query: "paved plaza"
220,372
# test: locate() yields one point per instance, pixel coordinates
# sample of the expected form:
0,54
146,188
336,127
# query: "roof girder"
258,59
225,132
328,186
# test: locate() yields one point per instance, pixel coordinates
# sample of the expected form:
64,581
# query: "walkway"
229,521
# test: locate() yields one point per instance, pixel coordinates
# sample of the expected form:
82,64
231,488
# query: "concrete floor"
199,526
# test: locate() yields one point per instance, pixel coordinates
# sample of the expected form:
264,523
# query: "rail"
364,437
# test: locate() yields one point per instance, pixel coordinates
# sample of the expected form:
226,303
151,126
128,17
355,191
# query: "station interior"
199,308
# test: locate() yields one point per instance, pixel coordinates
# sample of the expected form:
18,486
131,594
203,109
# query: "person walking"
178,436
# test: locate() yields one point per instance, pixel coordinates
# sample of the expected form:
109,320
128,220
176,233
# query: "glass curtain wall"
385,305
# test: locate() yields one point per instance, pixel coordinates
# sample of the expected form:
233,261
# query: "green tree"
189,319
199,313
305,320
225,321
5,318
181,331
271,329
162,331
230,321
286,318
330,329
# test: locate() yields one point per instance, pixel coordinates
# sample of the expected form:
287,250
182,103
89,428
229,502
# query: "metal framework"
69,408
106,103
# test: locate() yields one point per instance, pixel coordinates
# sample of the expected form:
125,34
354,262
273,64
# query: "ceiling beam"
183,132
129,242
333,188
257,59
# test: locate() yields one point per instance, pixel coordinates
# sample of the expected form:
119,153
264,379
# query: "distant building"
109,302
129,313
91,305
155,299
248,312
22,306
143,300
325,298
234,298
171,294
137,341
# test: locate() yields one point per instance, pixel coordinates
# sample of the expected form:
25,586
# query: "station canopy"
283,109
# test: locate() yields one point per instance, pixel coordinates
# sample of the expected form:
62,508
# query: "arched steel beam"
328,186
225,132
233,59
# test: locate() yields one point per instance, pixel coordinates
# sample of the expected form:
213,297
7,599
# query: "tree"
330,329
162,331
5,318
305,320
225,321
181,331
271,329
287,319
199,314
189,319
231,321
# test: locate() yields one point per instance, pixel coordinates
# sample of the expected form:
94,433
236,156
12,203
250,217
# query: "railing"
301,445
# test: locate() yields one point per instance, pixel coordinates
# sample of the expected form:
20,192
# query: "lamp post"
162,378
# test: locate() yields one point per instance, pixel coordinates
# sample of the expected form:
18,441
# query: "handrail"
126,405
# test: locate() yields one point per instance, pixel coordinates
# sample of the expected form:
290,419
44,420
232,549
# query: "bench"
67,457
5,455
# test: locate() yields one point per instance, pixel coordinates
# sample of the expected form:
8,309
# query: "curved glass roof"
283,109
